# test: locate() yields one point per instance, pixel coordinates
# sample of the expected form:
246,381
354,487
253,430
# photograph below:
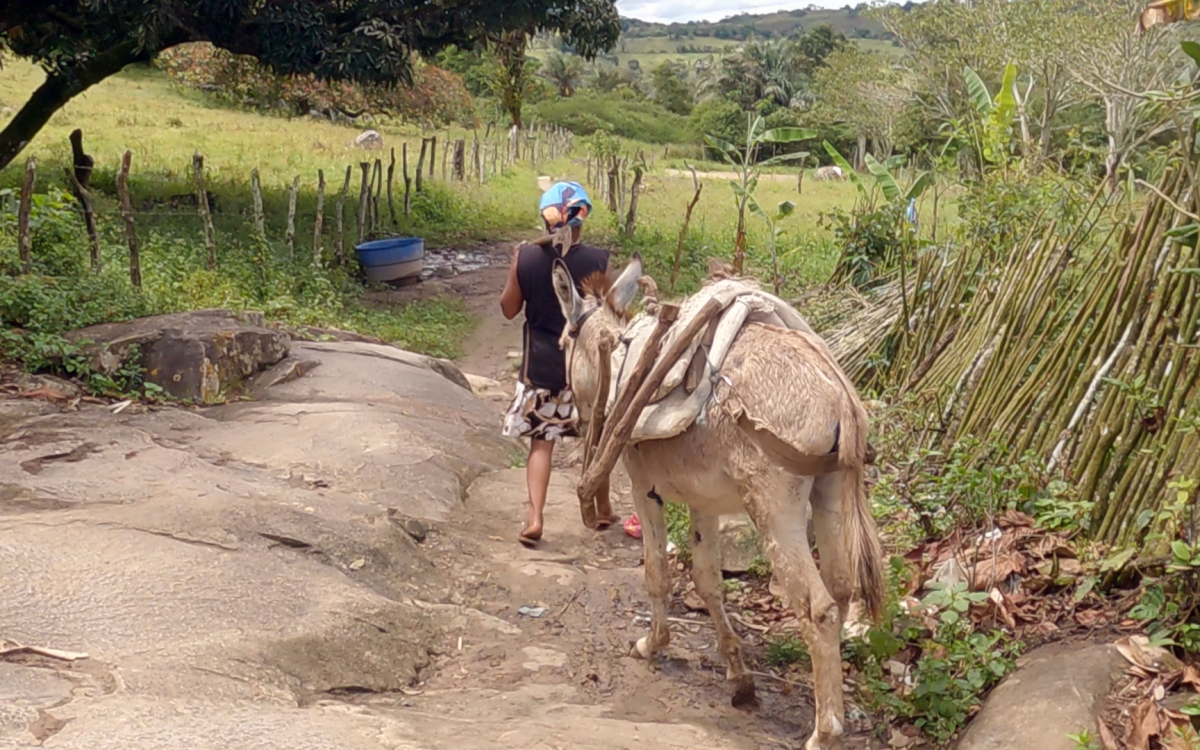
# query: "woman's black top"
544,363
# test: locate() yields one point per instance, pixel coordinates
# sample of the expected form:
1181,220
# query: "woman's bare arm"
511,300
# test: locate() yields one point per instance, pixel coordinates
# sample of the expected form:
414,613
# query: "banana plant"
744,161
996,113
782,211
884,181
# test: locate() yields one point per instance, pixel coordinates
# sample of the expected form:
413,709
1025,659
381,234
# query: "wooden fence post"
319,223
135,266
363,198
377,188
475,156
290,237
24,239
391,177
445,157
260,222
408,180
340,247
631,217
483,163
81,181
421,164
460,159
210,239
432,153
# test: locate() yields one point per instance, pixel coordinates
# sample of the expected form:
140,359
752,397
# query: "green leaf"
950,617
784,159
887,183
719,144
1192,50
1006,100
1183,553
1117,560
919,187
980,98
1085,587
788,135
756,209
784,209
847,170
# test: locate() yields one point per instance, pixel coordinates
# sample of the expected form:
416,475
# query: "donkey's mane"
596,285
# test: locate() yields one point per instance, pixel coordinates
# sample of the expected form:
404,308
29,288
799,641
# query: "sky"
666,11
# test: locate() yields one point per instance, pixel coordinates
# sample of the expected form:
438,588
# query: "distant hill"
849,20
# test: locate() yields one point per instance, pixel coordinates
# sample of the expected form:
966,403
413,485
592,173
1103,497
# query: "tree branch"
57,90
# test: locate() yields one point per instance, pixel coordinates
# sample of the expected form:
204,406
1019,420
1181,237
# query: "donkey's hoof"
743,693
642,648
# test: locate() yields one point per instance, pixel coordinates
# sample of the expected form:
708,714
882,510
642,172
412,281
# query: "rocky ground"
333,565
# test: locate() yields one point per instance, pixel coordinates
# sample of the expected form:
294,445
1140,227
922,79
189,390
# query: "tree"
1117,61
861,91
670,90
82,42
743,158
564,72
817,44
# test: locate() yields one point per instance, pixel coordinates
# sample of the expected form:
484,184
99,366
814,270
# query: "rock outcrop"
193,356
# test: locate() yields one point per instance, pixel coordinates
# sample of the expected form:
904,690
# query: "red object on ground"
633,527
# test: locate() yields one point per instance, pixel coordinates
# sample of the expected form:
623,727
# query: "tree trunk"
57,90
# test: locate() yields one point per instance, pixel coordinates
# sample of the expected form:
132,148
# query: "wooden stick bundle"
628,408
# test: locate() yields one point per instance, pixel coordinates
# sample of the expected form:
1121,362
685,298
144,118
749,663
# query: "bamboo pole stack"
1081,347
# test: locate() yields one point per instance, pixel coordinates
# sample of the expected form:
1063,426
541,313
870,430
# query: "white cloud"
667,11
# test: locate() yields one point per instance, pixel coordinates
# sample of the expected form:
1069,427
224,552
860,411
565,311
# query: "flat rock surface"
333,565
1057,690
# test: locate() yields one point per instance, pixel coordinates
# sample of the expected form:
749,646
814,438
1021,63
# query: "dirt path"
590,586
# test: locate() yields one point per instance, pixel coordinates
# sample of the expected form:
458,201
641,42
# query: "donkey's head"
601,312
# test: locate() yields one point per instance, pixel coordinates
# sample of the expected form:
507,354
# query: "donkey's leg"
779,508
826,501
649,506
706,573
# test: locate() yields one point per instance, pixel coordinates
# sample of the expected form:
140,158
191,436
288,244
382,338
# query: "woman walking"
543,408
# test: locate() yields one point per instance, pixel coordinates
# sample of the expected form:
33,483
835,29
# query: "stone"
284,371
193,356
740,544
1056,691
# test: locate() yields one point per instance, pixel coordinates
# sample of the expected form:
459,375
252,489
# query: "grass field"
164,126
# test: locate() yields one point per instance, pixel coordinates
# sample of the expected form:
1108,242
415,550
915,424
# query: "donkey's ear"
626,286
564,289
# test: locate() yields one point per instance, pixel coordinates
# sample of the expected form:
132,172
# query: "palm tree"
564,71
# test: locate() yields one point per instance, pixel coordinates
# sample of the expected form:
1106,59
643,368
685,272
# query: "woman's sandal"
528,539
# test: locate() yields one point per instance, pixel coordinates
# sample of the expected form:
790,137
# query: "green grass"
164,126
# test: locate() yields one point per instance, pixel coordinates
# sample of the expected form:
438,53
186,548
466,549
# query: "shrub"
436,95
644,121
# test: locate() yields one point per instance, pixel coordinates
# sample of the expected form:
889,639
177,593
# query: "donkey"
787,433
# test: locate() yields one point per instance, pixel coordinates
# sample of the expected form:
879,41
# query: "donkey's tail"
861,540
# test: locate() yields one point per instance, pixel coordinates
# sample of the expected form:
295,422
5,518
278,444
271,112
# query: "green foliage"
721,119
788,649
643,121
670,89
434,95
869,241
679,528
955,669
80,43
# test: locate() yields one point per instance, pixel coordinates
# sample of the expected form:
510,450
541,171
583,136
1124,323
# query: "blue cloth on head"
565,203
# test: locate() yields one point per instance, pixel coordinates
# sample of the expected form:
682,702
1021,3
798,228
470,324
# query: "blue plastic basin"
393,258
390,251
